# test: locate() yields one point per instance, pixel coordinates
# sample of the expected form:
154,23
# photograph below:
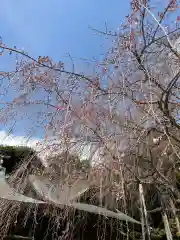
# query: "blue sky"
59,27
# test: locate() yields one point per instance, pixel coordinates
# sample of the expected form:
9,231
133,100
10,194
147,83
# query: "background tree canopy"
17,155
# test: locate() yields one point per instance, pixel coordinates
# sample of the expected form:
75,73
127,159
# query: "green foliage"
17,154
16,151
158,234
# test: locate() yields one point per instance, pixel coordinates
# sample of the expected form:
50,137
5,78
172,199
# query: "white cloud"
10,139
